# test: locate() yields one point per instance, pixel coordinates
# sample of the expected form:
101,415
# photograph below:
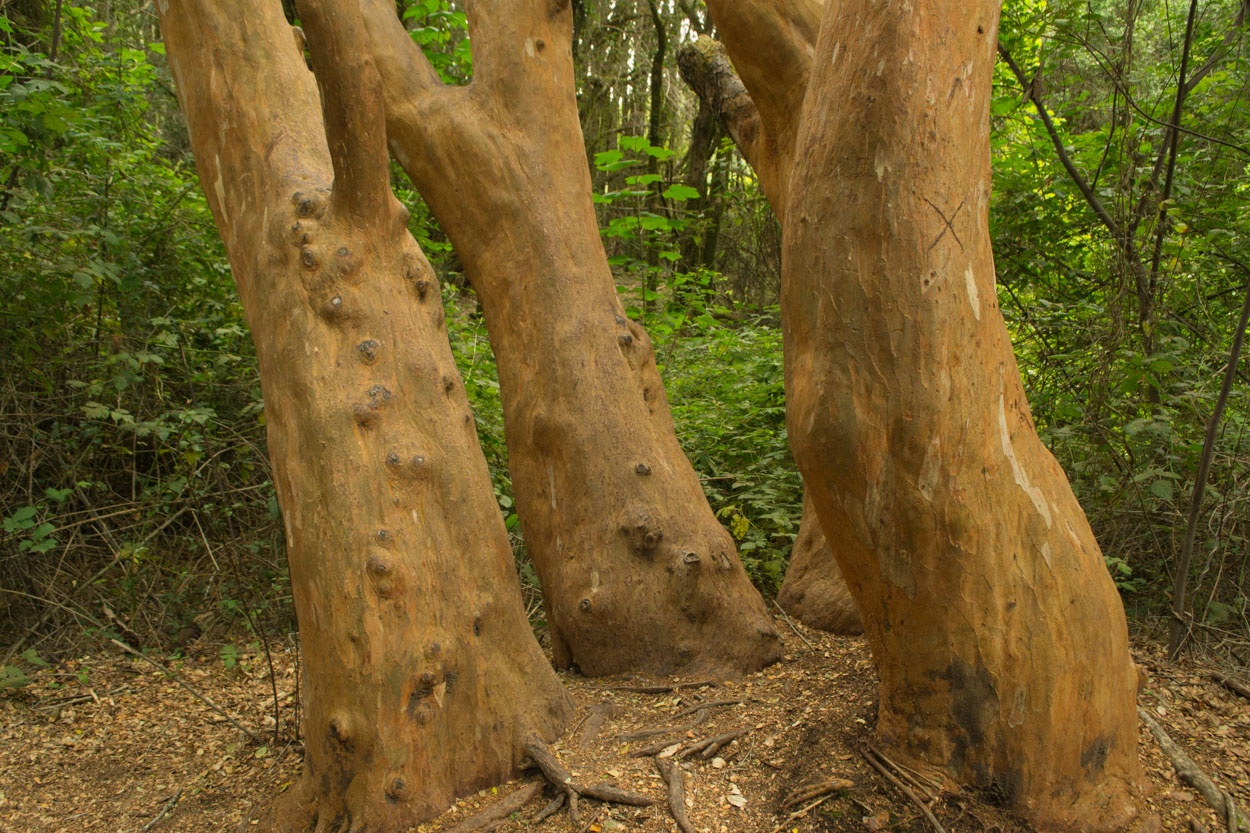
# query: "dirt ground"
114,744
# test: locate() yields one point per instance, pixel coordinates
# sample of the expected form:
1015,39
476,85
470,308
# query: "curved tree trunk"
422,677
637,573
814,591
999,636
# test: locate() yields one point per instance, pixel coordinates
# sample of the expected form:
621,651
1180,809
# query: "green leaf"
680,192
1161,489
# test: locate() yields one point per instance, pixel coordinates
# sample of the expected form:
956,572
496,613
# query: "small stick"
871,758
798,814
643,734
713,704
169,805
500,810
786,616
663,689
236,724
1189,772
676,780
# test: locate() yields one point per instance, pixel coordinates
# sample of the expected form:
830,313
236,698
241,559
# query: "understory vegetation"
135,495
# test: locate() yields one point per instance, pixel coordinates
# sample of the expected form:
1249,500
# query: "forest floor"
116,744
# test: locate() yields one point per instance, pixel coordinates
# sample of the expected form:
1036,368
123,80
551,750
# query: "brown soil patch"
110,744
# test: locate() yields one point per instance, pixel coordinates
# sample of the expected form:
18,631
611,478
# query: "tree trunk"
637,573
814,591
422,677
999,637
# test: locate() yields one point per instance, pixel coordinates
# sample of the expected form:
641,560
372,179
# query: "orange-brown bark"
637,573
999,636
422,680
813,591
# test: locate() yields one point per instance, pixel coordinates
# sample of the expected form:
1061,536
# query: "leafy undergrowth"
111,743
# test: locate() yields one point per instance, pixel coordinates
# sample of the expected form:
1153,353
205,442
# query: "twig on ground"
1189,772
793,627
711,704
871,757
823,788
173,676
662,689
676,781
501,809
169,806
800,813
643,734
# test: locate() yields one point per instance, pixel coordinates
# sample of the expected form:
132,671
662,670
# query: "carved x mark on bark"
950,223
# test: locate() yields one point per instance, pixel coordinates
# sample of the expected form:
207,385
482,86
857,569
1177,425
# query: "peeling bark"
422,677
637,573
1000,639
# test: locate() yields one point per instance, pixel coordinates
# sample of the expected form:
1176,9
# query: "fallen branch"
805,794
676,781
1235,686
501,809
800,813
871,757
1188,771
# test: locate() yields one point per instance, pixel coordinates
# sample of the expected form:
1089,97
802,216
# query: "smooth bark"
999,637
637,573
814,591
422,678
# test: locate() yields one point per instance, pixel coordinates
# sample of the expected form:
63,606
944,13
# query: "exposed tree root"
643,734
487,818
710,746
562,779
878,762
1189,772
599,713
676,780
550,810
811,791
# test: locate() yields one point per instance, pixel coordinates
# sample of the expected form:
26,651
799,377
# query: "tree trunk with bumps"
422,678
637,573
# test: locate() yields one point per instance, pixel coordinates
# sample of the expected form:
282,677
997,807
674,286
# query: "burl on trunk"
423,680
